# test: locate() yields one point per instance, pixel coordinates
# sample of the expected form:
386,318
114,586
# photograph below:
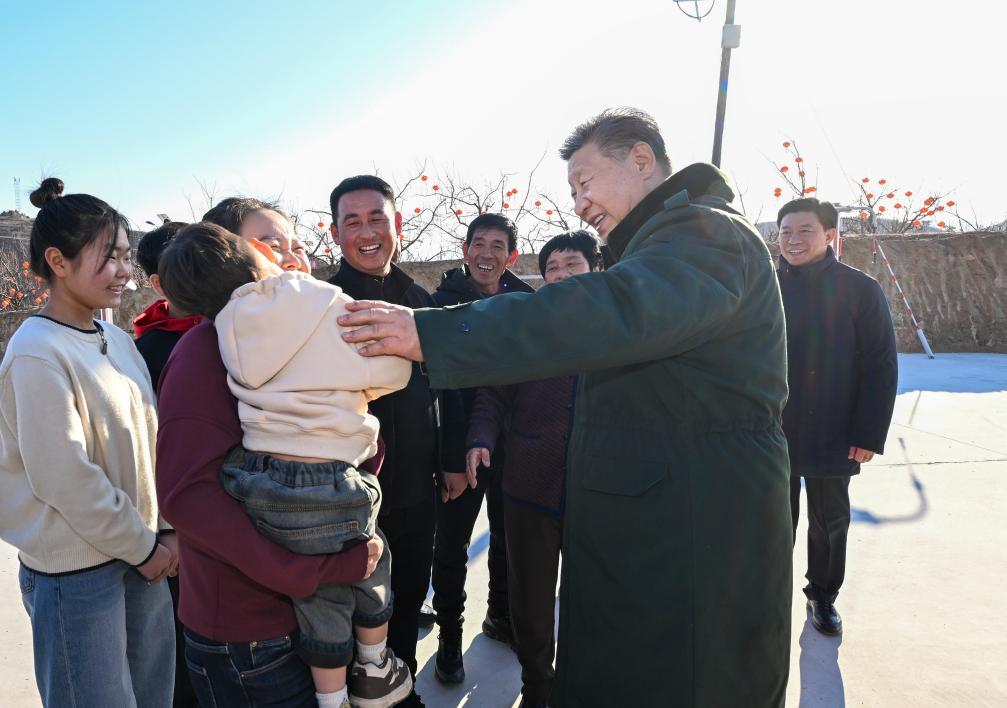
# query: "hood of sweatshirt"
293,305
156,317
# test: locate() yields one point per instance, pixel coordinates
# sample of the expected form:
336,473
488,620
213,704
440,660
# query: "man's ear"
334,232
643,158
398,223
830,235
465,250
155,282
512,258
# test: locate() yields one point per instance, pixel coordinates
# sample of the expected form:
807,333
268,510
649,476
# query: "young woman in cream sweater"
77,497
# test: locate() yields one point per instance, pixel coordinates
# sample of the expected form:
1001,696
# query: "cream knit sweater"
77,436
301,389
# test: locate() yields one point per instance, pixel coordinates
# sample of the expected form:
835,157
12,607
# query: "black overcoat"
843,368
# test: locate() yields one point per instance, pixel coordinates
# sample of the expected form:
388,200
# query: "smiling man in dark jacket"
364,225
843,375
490,249
677,542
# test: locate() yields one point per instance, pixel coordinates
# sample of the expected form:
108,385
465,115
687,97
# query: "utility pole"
731,39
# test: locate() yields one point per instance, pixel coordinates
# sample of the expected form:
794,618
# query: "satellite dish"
696,9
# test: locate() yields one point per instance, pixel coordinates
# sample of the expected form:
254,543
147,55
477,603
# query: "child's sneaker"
379,685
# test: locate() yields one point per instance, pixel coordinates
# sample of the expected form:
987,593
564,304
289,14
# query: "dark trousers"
828,526
410,535
455,521
533,542
184,696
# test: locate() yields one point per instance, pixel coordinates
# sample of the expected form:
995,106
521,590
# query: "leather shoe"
825,618
498,628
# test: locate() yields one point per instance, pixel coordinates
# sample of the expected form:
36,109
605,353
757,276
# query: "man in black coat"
364,225
843,376
490,249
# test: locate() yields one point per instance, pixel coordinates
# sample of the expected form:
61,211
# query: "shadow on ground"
821,679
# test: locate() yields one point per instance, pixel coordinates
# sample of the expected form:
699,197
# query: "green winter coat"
676,582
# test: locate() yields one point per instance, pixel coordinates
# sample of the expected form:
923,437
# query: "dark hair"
69,224
615,131
230,212
203,265
153,243
356,184
825,212
493,221
580,241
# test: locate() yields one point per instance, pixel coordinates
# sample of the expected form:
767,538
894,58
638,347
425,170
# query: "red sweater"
235,584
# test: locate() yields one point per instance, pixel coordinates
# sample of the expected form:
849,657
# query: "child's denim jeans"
313,509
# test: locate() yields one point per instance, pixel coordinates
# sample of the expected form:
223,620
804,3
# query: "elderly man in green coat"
676,582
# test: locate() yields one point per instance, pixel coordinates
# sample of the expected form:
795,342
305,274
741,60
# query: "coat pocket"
626,478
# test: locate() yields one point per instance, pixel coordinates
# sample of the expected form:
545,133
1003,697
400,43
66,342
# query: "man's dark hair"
356,184
580,241
203,265
826,213
615,131
493,221
230,212
153,243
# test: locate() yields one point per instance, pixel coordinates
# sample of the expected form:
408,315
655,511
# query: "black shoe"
448,665
499,629
427,616
825,618
528,703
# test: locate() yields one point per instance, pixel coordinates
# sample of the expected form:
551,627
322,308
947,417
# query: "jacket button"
464,327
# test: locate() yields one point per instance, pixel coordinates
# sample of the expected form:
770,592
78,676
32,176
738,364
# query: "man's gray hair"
615,131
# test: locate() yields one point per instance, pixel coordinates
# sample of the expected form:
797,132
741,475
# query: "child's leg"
378,678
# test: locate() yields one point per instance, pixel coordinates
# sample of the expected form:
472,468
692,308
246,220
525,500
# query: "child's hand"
473,458
158,566
375,549
454,485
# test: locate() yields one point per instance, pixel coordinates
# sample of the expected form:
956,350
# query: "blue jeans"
102,637
259,674
314,508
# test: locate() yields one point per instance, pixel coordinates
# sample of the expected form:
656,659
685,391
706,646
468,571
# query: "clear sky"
135,102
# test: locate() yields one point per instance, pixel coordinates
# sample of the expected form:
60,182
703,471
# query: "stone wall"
956,284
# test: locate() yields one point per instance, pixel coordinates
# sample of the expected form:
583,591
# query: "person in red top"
236,585
157,329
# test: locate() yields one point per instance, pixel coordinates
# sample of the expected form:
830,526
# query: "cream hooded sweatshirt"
301,389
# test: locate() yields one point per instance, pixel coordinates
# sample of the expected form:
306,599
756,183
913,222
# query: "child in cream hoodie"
302,400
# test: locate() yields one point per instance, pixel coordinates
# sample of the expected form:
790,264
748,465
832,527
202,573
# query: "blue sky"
134,102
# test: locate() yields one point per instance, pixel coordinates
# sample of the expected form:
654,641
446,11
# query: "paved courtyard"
927,550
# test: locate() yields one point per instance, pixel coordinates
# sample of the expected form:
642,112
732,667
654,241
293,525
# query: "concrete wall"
956,284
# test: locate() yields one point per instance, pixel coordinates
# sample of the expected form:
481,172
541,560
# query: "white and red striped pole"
919,330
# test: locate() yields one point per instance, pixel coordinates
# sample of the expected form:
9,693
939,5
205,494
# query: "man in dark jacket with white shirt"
843,375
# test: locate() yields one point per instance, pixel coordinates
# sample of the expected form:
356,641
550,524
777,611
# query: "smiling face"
98,275
487,257
803,238
563,264
365,227
276,231
605,189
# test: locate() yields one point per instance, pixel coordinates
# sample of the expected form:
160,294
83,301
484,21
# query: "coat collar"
397,279
811,269
457,281
697,179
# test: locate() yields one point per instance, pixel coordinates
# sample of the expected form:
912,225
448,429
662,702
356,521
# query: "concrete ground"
927,548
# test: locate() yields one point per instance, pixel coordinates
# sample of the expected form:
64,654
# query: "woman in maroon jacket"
236,585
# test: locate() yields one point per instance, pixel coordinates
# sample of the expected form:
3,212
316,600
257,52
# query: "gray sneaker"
379,685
